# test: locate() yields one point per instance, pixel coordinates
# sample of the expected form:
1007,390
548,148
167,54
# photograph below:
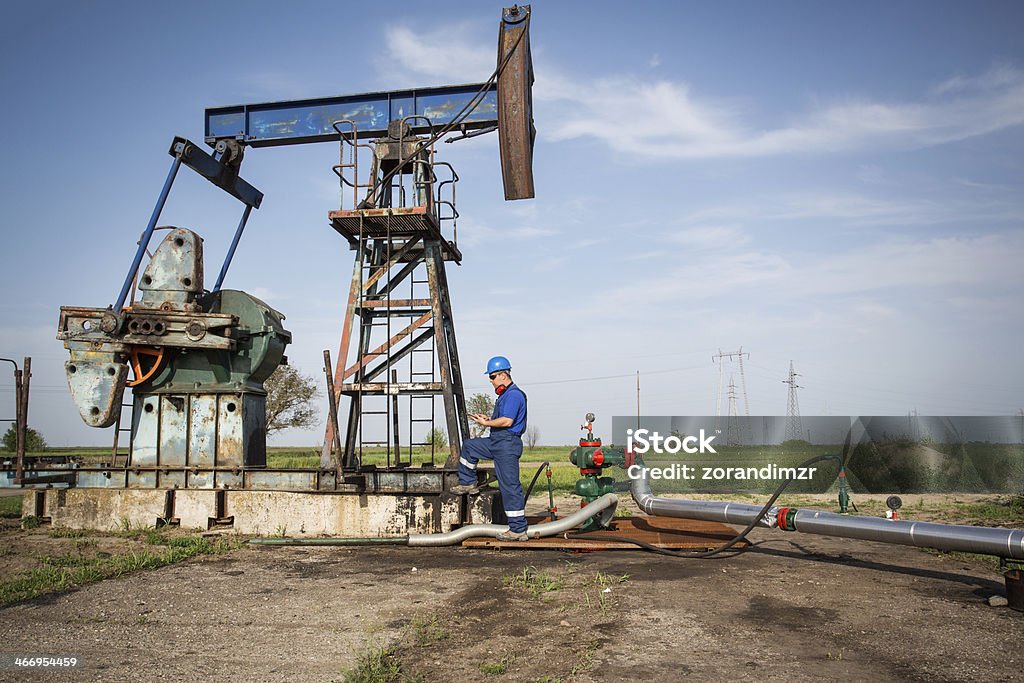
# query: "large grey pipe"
969,539
603,507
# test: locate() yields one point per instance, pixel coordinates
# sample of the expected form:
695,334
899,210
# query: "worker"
503,446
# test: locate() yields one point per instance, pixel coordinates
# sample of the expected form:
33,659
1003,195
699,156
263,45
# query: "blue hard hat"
498,363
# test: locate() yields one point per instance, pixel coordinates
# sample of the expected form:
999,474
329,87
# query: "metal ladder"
117,434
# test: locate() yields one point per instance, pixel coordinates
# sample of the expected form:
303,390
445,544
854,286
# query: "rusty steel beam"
516,131
394,419
387,388
456,368
435,275
332,405
394,303
339,370
379,351
401,353
23,380
400,277
395,259
148,327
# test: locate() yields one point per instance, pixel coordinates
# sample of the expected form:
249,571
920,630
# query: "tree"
479,403
531,437
34,441
437,438
290,397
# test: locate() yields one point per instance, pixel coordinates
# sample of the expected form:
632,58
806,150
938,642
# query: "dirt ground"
794,607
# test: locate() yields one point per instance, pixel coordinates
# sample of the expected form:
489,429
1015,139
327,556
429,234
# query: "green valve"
592,457
844,492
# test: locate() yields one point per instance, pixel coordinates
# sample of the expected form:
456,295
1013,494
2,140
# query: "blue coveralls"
503,446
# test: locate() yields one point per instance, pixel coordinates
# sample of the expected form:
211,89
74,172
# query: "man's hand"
479,418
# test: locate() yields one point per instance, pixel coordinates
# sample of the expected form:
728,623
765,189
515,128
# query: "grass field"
973,467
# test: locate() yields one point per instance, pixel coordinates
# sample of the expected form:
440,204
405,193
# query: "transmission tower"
794,430
719,359
732,436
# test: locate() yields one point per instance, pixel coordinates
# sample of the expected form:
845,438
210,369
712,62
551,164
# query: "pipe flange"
109,323
195,330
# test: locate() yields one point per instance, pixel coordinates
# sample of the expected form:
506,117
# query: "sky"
836,185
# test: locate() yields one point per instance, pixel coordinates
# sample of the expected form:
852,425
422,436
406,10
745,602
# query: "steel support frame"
272,124
365,302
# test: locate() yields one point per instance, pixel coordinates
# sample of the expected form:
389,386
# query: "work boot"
510,535
459,489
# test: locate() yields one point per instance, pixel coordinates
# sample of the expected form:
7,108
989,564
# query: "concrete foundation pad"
266,513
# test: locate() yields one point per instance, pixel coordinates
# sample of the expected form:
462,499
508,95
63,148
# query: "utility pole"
794,429
638,399
21,385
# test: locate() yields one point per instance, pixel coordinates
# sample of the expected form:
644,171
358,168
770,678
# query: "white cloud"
854,209
472,233
893,267
446,55
709,237
665,119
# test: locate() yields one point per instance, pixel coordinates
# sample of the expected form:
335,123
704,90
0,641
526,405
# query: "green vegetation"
534,582
499,667
71,570
380,665
10,506
586,659
428,630
34,441
607,580
290,397
437,438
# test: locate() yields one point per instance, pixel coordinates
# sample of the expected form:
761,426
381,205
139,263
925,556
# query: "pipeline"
280,540
1007,543
603,507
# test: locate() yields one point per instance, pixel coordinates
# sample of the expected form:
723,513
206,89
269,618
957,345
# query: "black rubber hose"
529,489
709,553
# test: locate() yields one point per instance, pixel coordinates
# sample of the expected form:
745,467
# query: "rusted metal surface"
393,303
420,479
661,532
398,223
516,131
399,354
395,436
198,431
392,388
383,348
195,329
332,406
313,120
355,288
97,380
456,369
202,431
435,266
173,278
396,258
